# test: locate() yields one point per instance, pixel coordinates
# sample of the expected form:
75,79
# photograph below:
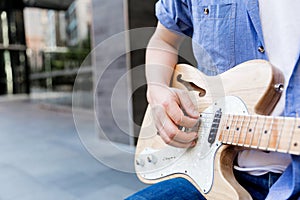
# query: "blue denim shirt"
230,33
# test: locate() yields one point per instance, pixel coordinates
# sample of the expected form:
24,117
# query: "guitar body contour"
252,83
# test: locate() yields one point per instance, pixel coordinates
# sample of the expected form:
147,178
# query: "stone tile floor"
42,157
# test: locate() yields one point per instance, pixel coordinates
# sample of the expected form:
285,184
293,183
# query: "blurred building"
57,34
110,18
13,65
57,43
14,69
78,21
35,20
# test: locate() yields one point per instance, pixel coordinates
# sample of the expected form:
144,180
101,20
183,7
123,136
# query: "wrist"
155,89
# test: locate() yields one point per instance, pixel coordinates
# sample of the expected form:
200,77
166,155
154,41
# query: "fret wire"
261,132
279,128
225,128
280,133
276,129
234,129
230,121
247,128
252,116
240,129
252,135
291,134
270,132
229,129
222,134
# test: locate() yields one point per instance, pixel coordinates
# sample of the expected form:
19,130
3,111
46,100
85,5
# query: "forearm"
167,104
161,57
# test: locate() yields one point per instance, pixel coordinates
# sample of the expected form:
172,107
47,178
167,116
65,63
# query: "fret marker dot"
265,131
299,126
237,128
227,127
250,130
295,144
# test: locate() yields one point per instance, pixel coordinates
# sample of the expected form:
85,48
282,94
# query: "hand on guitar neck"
172,108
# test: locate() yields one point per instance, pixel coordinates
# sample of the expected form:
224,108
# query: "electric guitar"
234,109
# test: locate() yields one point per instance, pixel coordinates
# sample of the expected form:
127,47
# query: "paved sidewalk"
43,158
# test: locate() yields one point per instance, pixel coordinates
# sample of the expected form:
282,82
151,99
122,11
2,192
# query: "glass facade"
72,22
3,87
13,61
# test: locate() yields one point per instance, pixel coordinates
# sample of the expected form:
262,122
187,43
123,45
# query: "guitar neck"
281,134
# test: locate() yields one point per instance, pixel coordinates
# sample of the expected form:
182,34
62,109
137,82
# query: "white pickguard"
197,162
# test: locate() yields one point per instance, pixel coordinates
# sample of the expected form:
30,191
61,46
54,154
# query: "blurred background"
46,48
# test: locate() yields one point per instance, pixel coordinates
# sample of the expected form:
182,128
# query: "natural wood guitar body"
256,83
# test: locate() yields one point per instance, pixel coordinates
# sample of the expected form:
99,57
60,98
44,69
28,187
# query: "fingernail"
193,143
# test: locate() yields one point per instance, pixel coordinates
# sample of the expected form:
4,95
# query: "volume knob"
140,162
152,159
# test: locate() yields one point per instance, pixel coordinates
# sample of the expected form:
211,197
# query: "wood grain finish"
261,132
252,82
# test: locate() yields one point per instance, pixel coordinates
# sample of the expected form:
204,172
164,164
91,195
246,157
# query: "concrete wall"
109,65
110,19
141,15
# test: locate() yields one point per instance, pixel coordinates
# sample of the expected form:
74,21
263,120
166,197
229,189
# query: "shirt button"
261,49
206,11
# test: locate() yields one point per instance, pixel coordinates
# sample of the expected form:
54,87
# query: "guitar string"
261,125
239,131
269,138
291,135
234,130
261,133
261,122
280,133
271,118
229,131
257,125
224,124
246,131
252,135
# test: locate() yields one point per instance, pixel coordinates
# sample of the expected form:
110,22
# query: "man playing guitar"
231,32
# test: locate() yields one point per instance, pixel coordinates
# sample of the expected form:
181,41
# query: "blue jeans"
181,189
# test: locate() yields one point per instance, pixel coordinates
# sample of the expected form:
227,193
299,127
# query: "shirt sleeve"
175,15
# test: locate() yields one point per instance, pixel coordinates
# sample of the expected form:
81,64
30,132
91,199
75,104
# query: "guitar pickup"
215,126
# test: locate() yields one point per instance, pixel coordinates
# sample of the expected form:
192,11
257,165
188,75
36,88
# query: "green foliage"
73,57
